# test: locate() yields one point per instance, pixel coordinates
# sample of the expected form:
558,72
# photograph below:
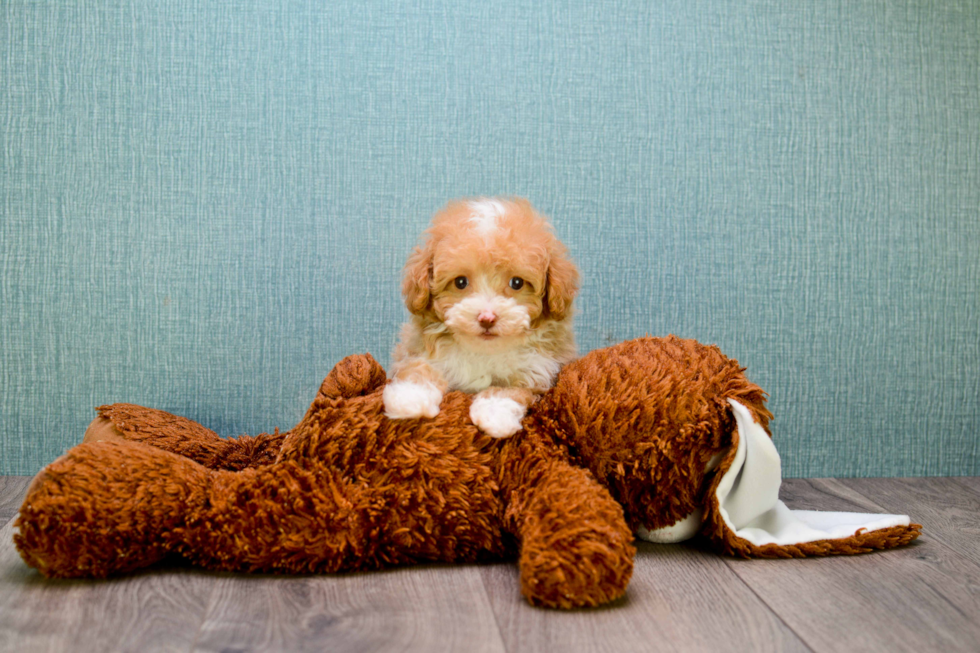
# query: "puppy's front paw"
407,400
498,417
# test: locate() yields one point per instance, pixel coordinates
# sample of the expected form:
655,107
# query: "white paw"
498,417
407,400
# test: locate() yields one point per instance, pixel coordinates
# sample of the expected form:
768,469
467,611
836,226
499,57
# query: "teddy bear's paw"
581,576
408,400
498,417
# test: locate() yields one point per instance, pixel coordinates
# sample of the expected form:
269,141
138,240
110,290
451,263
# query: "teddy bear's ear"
355,375
745,517
562,284
415,279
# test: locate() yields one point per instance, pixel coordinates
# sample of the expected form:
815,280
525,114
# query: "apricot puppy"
490,293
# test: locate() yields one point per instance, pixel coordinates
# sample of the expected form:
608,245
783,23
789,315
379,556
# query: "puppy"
490,294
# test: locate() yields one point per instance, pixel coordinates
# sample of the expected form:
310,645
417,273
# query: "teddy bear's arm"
355,375
576,549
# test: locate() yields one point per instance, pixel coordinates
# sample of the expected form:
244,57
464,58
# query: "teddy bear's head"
650,418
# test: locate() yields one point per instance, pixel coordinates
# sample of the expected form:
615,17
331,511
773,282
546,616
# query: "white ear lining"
748,498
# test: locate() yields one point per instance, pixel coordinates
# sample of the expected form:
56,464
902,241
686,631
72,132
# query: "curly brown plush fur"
648,436
622,440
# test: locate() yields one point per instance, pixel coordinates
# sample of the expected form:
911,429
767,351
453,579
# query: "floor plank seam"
204,617
769,607
969,487
931,537
496,619
814,485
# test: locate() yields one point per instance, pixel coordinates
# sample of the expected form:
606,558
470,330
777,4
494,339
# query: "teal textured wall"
206,204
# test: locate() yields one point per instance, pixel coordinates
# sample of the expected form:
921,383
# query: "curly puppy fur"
490,294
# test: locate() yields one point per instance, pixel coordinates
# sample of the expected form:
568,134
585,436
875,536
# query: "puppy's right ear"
562,284
415,283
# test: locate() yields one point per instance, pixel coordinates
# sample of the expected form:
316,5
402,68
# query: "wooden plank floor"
922,597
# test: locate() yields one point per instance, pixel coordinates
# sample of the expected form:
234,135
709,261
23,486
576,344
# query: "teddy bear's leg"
182,436
576,549
288,518
353,376
107,507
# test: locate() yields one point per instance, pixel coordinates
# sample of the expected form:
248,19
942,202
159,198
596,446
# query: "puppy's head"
491,271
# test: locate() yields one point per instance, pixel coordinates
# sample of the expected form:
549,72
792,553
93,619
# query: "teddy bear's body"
346,489
623,441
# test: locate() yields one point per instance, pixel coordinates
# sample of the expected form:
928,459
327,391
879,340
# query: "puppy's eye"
516,283
460,282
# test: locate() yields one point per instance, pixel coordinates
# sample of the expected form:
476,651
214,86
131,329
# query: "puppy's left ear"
562,285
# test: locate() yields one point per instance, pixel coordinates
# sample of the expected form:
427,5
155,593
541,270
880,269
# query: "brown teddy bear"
660,436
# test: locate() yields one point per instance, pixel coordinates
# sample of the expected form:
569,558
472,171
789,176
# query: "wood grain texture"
426,608
12,489
949,511
922,597
159,610
972,482
679,599
919,597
